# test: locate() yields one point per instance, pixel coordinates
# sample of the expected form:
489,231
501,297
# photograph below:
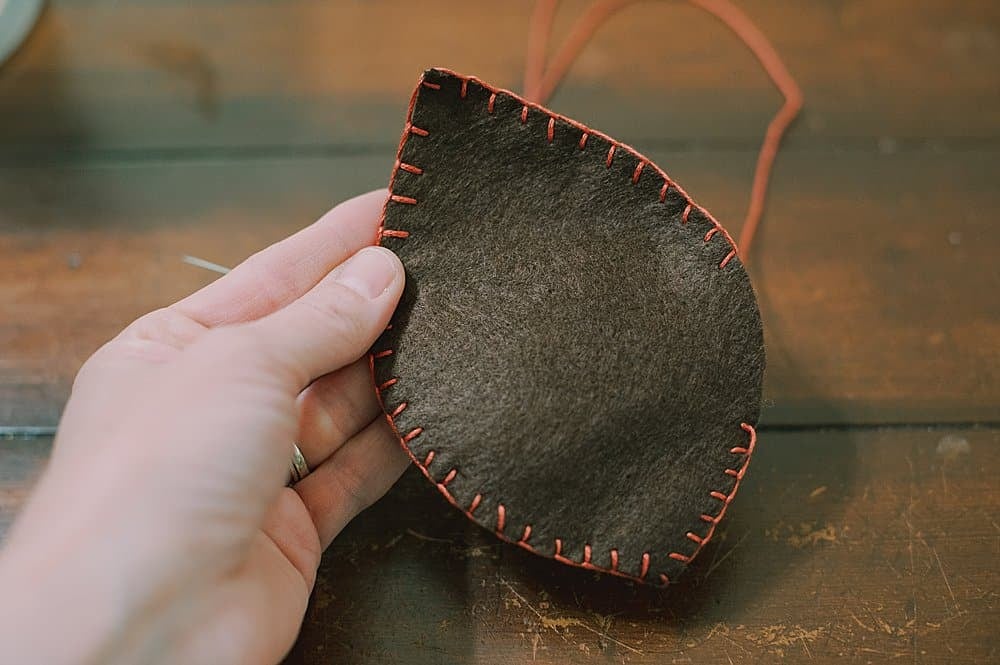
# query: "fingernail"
368,273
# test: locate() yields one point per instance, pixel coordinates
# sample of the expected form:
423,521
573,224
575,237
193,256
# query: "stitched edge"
644,161
404,439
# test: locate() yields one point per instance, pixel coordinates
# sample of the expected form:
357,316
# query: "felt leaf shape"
576,362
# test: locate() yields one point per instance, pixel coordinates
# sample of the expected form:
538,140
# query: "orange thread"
613,569
687,211
394,233
410,168
663,190
552,129
527,534
637,172
726,499
465,88
614,145
407,129
432,86
524,114
399,409
490,104
538,33
408,200
540,86
611,155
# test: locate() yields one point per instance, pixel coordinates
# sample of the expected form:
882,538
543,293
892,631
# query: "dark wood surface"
866,545
135,131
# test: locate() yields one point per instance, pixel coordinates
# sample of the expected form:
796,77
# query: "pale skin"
162,529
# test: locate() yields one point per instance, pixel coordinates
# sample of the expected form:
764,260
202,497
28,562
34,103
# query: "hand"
162,530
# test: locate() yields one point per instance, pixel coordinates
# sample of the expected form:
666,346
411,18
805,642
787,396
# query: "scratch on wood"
913,578
816,493
558,624
429,539
716,564
944,577
778,637
722,630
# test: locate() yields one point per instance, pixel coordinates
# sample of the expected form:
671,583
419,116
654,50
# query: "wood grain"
876,275
22,461
175,76
857,545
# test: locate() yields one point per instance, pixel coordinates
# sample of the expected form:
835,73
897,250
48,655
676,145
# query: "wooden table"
135,131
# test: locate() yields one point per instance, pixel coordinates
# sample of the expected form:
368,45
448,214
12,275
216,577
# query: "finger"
290,528
243,380
353,478
277,275
334,408
333,324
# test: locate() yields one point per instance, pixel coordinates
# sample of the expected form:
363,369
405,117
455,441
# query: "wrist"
48,594
68,574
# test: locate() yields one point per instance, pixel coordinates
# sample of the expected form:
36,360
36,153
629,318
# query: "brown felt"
577,350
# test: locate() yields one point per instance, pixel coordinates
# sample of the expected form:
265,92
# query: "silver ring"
297,467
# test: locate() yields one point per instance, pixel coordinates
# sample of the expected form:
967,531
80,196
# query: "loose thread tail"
540,83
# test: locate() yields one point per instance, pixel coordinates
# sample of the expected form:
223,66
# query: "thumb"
335,322
245,413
